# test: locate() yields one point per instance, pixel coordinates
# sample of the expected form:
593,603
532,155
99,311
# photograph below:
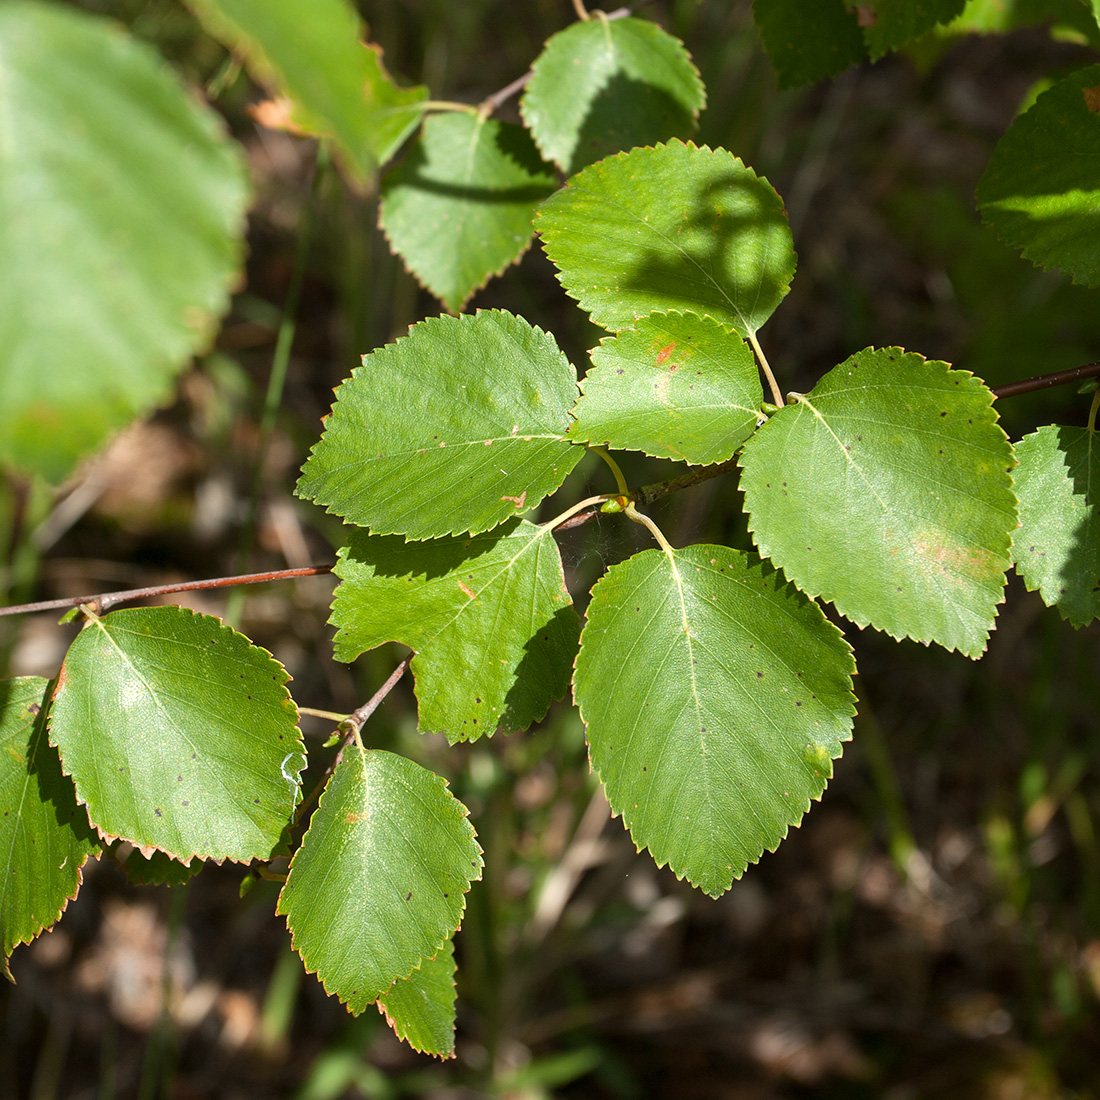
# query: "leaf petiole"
579,507
620,481
638,517
764,366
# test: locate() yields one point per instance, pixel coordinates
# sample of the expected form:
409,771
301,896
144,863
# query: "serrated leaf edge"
690,145
148,849
423,958
533,125
863,622
763,564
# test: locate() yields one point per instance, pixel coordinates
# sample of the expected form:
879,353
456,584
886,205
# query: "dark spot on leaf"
186,803
157,812
943,414
760,676
408,895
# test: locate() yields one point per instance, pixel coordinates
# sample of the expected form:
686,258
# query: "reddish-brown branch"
1044,381
357,719
106,600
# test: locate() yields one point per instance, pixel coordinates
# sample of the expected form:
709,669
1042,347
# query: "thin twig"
106,600
490,103
1044,381
649,493
357,719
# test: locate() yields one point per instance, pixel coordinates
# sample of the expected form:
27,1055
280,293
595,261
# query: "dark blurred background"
932,929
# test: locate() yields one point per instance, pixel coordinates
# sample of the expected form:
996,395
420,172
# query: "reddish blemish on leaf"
465,588
866,16
664,353
519,501
1092,99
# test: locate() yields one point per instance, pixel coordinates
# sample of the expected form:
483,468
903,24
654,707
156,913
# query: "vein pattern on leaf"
895,463
599,87
456,427
489,617
715,698
459,207
179,735
378,885
421,1008
45,839
670,228
677,385
1057,548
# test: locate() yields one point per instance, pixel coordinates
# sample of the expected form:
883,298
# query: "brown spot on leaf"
519,501
465,588
664,353
866,16
1092,99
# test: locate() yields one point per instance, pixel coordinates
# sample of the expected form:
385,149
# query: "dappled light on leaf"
671,228
602,86
458,208
677,385
1057,547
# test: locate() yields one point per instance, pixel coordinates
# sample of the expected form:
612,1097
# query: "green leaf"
379,882
179,734
458,209
121,214
808,42
490,619
994,16
45,839
456,427
421,1008
677,385
338,87
1041,190
605,85
887,491
888,24
715,698
1058,544
675,227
